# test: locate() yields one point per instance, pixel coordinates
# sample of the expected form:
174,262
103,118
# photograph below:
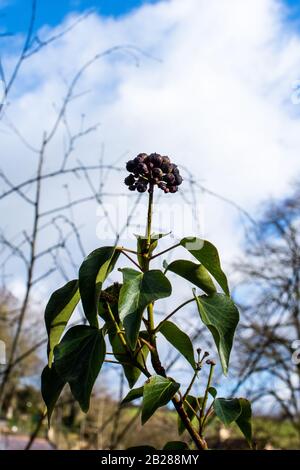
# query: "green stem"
166,251
157,366
124,344
190,386
149,217
173,313
132,260
202,412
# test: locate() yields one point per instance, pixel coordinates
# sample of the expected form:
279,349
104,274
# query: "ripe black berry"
130,166
129,180
166,167
156,159
169,178
178,179
141,187
173,189
157,173
142,169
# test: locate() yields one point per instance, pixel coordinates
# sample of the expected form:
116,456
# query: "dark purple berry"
140,158
129,180
169,178
157,173
173,189
156,159
178,179
141,187
166,167
162,185
132,187
142,169
130,166
165,159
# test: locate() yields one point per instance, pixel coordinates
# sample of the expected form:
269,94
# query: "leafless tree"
268,365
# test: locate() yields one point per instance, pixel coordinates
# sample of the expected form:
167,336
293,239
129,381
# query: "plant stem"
124,344
132,260
173,313
165,251
202,412
157,366
190,386
149,217
122,248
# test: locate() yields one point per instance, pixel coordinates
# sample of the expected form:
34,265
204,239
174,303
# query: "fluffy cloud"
214,91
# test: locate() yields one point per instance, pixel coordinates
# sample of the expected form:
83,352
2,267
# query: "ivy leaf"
244,420
238,410
139,290
133,394
212,391
92,273
189,411
176,445
195,273
158,391
58,312
78,360
227,409
207,254
180,340
221,316
51,388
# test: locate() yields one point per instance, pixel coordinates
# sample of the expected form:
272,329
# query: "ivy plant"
122,315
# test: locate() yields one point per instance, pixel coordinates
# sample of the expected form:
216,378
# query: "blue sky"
14,17
52,12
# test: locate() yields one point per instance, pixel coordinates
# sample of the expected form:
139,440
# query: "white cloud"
218,100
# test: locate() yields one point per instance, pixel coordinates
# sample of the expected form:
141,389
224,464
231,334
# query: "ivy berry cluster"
147,171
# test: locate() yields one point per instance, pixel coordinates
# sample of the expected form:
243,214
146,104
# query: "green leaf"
142,245
78,360
180,340
133,394
212,391
158,391
139,290
195,273
58,312
244,420
221,316
189,411
227,409
92,273
176,445
51,388
208,255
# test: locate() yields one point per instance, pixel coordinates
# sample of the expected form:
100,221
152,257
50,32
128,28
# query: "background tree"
269,298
